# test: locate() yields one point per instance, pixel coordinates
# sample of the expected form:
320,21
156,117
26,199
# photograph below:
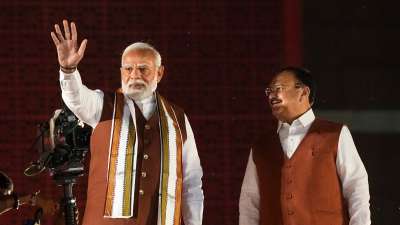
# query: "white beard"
138,94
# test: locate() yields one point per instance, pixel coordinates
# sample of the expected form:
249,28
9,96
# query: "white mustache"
138,81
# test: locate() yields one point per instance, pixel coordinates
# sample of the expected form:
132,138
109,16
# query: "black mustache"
274,99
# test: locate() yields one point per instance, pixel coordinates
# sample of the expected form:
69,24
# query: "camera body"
71,139
62,143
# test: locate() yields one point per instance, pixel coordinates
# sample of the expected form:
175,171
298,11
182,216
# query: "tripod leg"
69,203
69,211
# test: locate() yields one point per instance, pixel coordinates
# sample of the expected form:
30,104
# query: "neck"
147,106
144,100
294,116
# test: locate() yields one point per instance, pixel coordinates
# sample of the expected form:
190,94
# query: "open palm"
68,53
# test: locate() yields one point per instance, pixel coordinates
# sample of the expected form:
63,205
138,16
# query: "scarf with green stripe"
122,165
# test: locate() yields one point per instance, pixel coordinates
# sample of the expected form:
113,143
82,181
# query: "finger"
73,32
58,32
66,30
82,48
55,39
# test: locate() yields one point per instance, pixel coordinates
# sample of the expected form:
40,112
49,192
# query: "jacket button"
289,196
145,156
290,181
147,127
144,174
290,212
141,192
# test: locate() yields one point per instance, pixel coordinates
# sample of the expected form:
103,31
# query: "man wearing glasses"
307,171
144,167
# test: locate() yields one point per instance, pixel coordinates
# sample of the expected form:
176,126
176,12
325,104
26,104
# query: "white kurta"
349,166
87,105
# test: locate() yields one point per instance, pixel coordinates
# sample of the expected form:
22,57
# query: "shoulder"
108,106
179,113
177,109
172,104
327,125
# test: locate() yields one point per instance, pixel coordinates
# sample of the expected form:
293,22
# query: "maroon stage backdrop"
219,56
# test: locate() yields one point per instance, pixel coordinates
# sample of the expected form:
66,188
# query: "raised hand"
68,53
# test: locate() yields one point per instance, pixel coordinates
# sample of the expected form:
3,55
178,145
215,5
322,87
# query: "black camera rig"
63,143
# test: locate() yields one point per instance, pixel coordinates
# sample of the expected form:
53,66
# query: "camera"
62,143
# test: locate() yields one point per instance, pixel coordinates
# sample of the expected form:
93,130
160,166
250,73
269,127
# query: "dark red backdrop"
218,57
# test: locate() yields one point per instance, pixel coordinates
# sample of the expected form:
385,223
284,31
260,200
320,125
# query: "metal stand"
68,202
64,160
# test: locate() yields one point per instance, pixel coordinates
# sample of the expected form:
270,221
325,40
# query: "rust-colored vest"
148,168
305,189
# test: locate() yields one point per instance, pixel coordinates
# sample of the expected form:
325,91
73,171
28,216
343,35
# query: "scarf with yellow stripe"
123,162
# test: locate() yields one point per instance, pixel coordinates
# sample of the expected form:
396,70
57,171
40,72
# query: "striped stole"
122,164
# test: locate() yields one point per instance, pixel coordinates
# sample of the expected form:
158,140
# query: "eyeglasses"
141,69
280,88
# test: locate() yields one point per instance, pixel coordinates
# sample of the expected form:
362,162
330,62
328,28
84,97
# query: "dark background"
353,48
219,56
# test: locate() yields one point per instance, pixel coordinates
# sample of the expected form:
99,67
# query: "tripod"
68,202
65,142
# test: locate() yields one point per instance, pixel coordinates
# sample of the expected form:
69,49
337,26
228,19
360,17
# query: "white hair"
143,46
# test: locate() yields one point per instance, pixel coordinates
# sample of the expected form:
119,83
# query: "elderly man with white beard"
144,166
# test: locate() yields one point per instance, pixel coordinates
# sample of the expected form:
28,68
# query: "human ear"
160,73
305,93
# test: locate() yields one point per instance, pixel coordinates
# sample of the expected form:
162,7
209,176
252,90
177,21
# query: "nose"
272,95
134,74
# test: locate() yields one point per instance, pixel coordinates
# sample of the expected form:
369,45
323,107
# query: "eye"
143,69
278,88
128,69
